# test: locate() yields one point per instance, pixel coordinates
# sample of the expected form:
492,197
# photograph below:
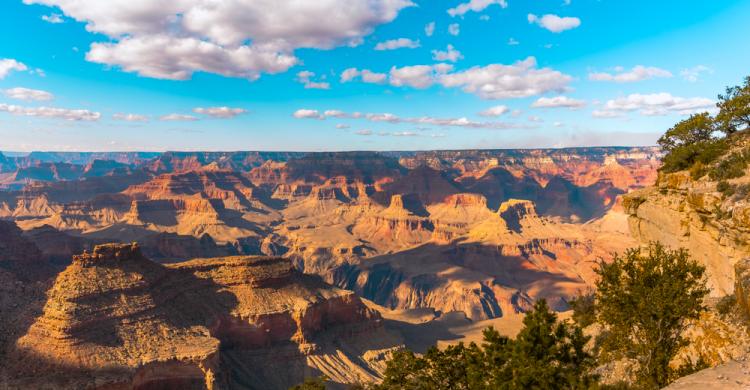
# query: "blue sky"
261,75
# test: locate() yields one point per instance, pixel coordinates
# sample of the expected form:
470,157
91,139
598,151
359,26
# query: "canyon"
258,269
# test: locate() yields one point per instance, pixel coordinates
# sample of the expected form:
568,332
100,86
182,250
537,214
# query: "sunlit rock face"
481,232
114,318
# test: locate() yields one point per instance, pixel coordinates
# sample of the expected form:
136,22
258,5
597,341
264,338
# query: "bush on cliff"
645,300
701,138
546,354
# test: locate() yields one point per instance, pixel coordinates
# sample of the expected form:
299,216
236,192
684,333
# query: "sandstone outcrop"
114,319
685,213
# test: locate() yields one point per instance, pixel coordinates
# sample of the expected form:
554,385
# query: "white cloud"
334,114
429,29
220,112
694,74
53,18
497,81
605,114
555,23
404,134
417,76
178,118
51,112
399,43
129,117
423,120
475,5
308,114
363,132
305,77
637,73
366,75
656,104
166,57
28,94
450,54
495,111
558,101
8,64
342,126
454,29
372,77
512,42
494,81
235,38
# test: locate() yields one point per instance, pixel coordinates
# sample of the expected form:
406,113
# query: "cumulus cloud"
475,6
8,65
399,43
450,54
366,76
53,18
513,42
173,39
497,81
494,81
305,77
454,29
177,58
51,112
558,101
417,76
28,94
694,74
637,73
178,118
555,23
495,111
129,117
308,114
655,104
429,29
363,132
220,112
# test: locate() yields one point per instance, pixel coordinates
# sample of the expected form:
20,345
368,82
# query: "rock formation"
114,319
692,214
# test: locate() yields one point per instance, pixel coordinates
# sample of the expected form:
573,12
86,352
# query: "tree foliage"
701,139
546,354
734,108
698,128
584,309
645,302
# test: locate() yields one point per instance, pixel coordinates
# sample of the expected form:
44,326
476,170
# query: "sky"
126,75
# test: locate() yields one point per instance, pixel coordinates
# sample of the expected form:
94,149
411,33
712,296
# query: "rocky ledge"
115,319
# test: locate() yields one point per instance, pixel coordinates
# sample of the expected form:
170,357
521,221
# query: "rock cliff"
114,319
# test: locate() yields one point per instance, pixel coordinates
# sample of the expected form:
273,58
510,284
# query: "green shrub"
546,354
731,167
584,309
646,300
698,170
687,156
726,305
725,188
